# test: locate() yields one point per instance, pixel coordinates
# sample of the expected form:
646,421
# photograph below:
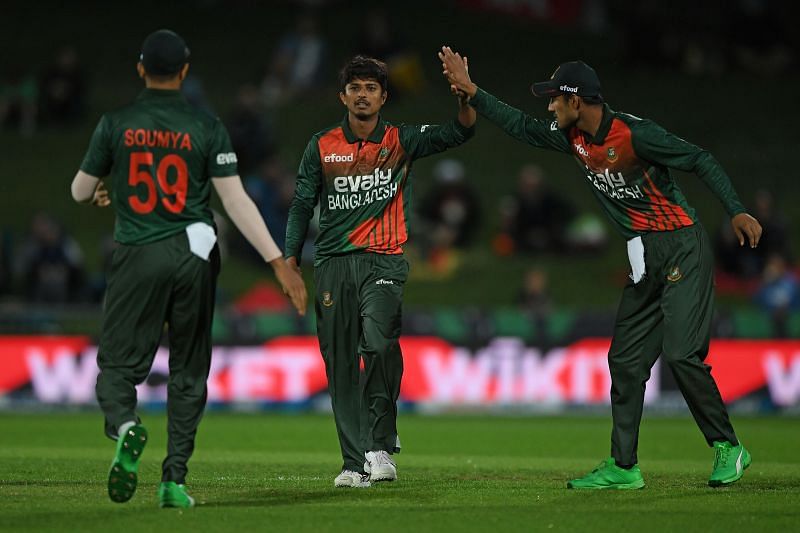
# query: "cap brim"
545,88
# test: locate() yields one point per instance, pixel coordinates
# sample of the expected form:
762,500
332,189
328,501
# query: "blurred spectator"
195,93
297,64
272,190
6,246
779,293
62,89
535,302
757,34
51,263
535,219
18,102
746,262
251,134
379,39
450,208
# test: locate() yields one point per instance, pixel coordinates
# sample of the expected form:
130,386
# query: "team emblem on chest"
674,274
612,155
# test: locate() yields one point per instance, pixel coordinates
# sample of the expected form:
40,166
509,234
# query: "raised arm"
519,125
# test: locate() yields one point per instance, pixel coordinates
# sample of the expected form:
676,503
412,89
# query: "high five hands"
456,70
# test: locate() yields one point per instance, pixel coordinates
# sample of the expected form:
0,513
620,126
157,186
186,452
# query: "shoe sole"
723,482
359,485
620,486
122,478
387,475
172,504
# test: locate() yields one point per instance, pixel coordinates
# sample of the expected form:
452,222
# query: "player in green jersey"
161,157
359,172
666,307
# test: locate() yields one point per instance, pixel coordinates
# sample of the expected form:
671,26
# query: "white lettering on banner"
784,383
65,378
505,372
461,377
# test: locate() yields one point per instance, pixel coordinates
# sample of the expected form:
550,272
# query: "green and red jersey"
627,164
363,186
160,153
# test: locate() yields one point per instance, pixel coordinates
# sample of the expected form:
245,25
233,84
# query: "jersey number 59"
172,191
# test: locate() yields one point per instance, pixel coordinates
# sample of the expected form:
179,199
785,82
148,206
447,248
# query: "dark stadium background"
706,72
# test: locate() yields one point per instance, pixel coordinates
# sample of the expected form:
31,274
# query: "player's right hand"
456,69
288,274
101,198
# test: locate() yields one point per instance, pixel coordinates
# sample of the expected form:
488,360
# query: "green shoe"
122,477
170,494
608,475
730,463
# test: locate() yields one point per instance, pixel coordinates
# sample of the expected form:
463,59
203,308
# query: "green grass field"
457,473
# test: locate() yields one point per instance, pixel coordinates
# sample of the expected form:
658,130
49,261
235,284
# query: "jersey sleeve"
653,143
424,140
222,161
99,156
519,125
306,194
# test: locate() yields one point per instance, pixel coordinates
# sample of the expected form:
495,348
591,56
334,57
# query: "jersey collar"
375,137
605,126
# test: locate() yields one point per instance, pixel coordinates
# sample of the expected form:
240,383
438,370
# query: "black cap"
164,52
574,77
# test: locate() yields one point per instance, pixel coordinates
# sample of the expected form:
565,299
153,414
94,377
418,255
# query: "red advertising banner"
505,372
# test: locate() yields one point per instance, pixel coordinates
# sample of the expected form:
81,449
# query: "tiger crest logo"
327,301
674,274
612,155
383,154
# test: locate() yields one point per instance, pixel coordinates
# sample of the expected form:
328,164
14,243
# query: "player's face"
565,113
363,98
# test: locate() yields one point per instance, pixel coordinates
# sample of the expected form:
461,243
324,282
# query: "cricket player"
162,156
359,171
667,305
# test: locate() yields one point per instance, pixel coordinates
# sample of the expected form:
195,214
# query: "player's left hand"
101,198
747,229
456,69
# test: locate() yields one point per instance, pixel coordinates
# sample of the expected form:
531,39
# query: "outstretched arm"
245,216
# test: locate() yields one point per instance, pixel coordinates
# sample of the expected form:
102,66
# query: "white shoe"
348,478
380,467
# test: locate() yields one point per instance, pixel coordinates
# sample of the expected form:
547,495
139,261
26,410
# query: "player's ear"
140,69
384,96
184,71
341,98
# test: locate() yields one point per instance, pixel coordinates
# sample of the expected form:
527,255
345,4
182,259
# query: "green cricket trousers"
359,311
667,313
150,285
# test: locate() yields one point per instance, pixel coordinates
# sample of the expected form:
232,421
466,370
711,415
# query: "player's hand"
101,198
288,274
747,229
456,69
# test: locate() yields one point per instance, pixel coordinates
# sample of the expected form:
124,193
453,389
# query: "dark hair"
363,68
163,78
590,100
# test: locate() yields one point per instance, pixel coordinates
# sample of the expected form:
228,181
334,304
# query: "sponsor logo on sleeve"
226,158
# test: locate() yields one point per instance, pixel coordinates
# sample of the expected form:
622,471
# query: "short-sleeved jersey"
363,186
627,165
160,153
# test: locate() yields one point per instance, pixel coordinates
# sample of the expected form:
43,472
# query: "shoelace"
382,458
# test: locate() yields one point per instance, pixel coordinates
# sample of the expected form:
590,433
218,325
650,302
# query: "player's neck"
590,120
171,85
362,128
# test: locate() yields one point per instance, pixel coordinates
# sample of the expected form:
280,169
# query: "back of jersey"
161,154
